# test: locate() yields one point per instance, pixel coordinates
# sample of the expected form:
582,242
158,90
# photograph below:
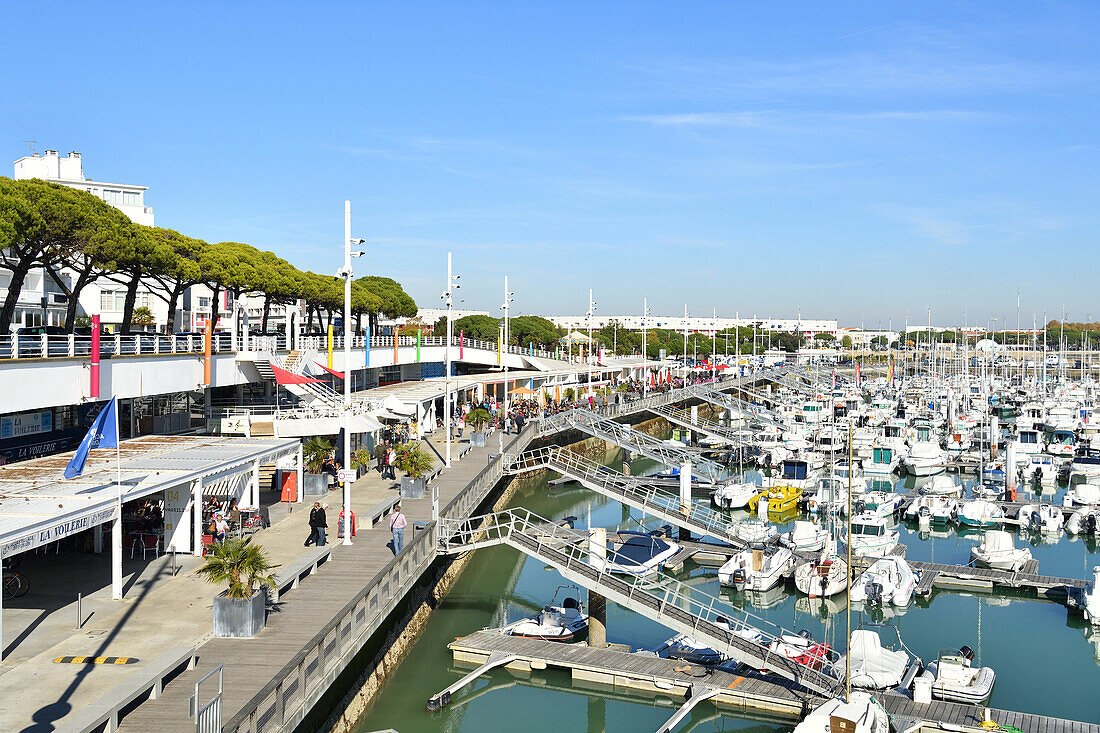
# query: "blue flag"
104,434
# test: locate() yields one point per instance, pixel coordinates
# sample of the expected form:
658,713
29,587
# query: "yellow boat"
781,500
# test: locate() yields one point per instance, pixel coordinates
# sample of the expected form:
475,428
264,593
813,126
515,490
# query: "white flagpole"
116,532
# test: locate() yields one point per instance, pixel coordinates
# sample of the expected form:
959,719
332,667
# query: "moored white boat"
805,537
998,550
980,513
756,569
825,576
954,679
888,580
734,496
862,713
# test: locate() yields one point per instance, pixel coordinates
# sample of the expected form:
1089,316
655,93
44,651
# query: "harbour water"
1044,658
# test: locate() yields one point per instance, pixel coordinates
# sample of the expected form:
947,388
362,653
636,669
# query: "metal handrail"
739,633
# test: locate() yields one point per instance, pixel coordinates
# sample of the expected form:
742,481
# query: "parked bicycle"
15,584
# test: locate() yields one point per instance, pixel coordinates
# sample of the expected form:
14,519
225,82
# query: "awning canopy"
301,427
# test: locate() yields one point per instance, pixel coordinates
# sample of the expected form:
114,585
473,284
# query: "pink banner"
94,393
461,343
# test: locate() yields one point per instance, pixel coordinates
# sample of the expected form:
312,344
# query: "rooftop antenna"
30,144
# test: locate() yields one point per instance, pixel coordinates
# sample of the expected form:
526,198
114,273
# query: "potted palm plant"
478,418
414,462
315,452
241,566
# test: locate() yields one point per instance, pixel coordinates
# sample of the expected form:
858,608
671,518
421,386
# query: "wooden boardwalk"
252,667
744,691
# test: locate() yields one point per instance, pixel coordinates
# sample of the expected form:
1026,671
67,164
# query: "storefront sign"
238,425
28,423
177,519
63,528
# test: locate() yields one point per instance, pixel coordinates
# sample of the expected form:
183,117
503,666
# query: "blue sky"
853,160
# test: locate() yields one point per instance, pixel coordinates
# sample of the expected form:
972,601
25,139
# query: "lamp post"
448,297
685,343
645,351
346,273
588,315
504,347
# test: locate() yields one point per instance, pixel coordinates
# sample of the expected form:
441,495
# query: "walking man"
391,456
397,529
317,525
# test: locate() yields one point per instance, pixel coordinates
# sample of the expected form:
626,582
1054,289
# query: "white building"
702,324
69,171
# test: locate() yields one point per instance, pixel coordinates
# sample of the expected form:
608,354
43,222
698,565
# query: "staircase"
735,405
708,427
740,634
634,491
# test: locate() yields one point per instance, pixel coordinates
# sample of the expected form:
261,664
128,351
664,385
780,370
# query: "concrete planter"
316,484
477,440
412,488
239,618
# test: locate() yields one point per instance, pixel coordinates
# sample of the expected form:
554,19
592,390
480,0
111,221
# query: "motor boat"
754,531
734,496
941,486
871,535
998,550
883,502
565,622
925,459
805,537
639,553
1085,520
693,651
939,509
884,460
980,513
803,649
1090,603
829,496
955,680
1039,467
889,580
1087,494
874,666
860,713
1045,518
756,569
826,576
776,500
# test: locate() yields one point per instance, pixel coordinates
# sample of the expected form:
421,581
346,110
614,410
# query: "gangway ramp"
733,436
741,635
735,404
634,491
626,437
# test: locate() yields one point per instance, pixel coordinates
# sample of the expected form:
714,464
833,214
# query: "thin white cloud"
758,119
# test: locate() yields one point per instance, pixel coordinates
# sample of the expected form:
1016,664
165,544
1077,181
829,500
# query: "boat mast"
848,572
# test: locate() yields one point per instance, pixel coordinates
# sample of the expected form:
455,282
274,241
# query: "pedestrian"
317,524
391,459
397,529
221,528
461,423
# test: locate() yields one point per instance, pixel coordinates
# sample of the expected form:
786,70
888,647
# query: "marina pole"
447,407
597,604
848,570
645,351
346,272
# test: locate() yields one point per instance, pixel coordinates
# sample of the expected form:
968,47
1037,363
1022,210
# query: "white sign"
29,423
177,519
341,475
235,425
63,528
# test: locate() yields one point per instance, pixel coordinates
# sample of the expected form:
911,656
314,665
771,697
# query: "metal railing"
733,631
635,491
208,715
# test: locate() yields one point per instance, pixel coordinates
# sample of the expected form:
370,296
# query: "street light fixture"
348,275
645,351
588,314
508,300
448,298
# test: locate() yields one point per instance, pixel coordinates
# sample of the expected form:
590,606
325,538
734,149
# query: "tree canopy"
57,227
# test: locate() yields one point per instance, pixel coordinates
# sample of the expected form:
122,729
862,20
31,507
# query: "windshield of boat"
870,530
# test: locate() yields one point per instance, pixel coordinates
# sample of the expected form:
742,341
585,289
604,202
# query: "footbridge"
637,442
735,404
741,635
683,418
634,491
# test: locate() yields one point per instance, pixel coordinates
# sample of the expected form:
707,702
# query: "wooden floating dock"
734,690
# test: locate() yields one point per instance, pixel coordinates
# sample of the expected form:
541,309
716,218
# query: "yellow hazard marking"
96,660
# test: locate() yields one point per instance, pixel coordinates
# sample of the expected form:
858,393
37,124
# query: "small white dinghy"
734,496
757,569
554,623
1082,495
954,680
890,580
998,550
1090,604
805,537
1044,518
754,531
825,576
874,666
861,713
1085,520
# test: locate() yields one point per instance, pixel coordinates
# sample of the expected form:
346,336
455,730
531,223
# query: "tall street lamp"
508,299
346,273
588,315
645,351
448,298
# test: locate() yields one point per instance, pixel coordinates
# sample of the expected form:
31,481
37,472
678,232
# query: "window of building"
112,196
131,198
204,301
